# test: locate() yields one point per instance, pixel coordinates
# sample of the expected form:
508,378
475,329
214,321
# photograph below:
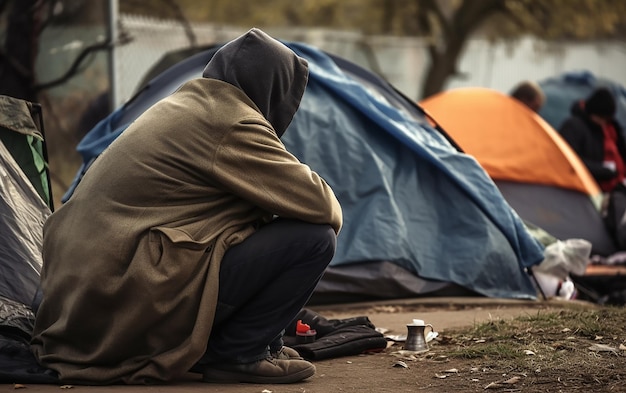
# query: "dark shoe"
287,353
268,370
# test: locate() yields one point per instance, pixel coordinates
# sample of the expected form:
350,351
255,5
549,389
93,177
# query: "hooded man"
596,137
194,239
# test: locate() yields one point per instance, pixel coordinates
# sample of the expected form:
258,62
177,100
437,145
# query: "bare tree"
450,24
446,25
23,23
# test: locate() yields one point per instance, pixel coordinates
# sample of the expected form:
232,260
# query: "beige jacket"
131,261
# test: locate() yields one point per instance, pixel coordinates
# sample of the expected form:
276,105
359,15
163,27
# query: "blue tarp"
563,90
408,196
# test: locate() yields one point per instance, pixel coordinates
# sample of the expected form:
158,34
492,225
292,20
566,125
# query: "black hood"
578,109
270,73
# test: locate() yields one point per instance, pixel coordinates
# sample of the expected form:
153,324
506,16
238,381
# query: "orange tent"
509,140
538,173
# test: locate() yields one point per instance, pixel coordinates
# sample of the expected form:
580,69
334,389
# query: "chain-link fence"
400,60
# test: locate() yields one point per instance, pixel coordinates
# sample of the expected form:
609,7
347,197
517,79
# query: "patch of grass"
590,323
542,338
495,327
606,322
566,350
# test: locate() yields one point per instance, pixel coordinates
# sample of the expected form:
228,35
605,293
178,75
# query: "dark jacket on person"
131,262
586,138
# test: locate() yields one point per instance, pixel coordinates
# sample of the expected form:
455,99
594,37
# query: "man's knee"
326,240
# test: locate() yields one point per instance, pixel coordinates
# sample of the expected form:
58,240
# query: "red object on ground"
302,327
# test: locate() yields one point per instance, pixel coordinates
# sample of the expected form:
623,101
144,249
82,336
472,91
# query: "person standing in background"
595,135
530,94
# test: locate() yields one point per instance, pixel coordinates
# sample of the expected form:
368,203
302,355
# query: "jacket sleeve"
621,141
252,163
572,130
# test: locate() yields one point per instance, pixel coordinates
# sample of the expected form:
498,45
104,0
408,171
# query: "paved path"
444,313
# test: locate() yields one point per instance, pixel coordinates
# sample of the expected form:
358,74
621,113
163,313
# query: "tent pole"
113,16
543,295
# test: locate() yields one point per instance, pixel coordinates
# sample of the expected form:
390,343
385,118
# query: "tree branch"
3,5
433,7
49,17
156,10
472,14
19,69
73,70
178,15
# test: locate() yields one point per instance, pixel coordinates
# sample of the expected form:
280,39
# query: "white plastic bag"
551,286
564,257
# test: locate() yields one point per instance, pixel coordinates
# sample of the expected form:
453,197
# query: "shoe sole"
213,375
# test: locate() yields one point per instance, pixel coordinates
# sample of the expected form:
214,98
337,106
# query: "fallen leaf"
622,347
409,355
396,337
440,376
400,363
528,352
512,380
566,330
451,371
602,348
598,338
493,385
501,384
19,386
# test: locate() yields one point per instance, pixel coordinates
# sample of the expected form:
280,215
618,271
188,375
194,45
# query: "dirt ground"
553,347
503,347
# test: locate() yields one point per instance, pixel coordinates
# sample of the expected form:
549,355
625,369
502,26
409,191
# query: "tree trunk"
17,62
456,30
443,64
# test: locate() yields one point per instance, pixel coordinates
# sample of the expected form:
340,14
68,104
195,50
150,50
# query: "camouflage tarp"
21,132
22,208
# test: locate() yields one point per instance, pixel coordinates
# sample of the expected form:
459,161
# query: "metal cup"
416,339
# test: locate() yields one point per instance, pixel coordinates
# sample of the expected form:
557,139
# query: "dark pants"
615,217
264,282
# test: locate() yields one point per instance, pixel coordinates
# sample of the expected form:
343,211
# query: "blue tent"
412,201
563,90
